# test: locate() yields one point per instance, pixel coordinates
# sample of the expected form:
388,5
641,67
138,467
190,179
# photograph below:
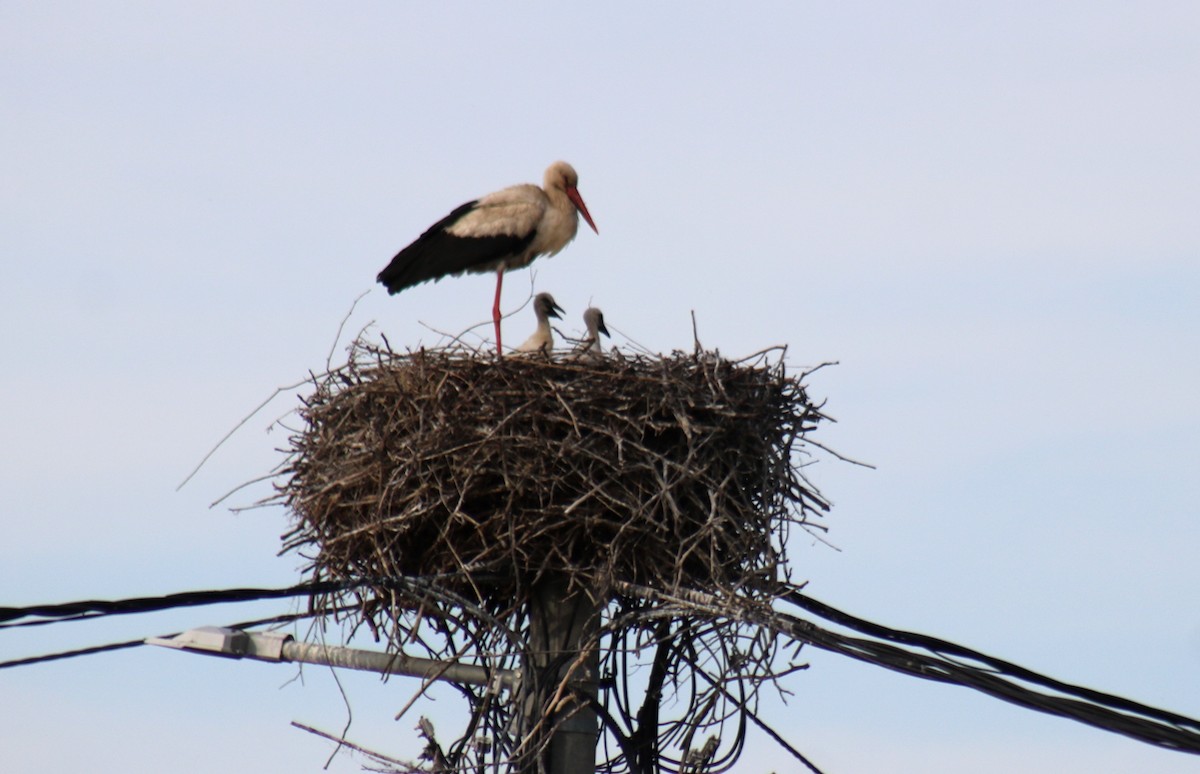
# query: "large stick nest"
670,472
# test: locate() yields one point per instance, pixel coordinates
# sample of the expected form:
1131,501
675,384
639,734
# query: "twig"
841,457
357,748
238,426
337,337
278,390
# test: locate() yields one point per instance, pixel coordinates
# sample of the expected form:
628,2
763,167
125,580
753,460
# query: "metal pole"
392,663
234,643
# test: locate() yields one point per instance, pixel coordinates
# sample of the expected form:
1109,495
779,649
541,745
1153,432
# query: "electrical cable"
891,648
135,643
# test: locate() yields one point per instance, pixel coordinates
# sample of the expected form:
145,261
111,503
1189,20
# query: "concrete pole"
561,626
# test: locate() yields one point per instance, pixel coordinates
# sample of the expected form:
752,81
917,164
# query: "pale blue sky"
988,215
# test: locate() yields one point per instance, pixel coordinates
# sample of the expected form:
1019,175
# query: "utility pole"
562,652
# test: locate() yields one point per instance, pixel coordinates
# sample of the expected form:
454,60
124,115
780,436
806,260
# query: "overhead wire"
911,653
138,642
994,677
92,608
943,647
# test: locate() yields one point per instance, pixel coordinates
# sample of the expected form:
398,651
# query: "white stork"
593,318
501,231
542,339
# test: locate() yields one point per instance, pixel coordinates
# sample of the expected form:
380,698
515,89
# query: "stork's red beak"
573,194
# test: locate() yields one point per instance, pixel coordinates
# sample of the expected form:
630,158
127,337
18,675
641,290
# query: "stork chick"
542,339
593,318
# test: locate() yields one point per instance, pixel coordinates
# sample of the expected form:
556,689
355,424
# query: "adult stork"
542,339
504,230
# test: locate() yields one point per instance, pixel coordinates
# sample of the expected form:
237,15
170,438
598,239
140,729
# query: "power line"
1152,728
993,677
942,647
893,649
70,654
95,608
92,608
135,643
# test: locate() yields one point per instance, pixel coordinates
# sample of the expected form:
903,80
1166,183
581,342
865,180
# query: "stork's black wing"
437,253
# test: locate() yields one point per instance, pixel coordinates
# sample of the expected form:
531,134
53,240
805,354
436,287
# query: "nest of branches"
454,485
667,472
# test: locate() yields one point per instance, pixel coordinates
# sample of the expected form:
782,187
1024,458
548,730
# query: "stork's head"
593,318
545,307
562,176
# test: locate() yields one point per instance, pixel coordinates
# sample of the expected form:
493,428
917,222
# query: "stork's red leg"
496,309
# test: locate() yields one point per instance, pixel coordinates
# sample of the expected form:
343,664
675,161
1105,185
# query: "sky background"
988,215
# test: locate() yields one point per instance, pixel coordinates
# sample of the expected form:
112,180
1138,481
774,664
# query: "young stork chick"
593,318
542,339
